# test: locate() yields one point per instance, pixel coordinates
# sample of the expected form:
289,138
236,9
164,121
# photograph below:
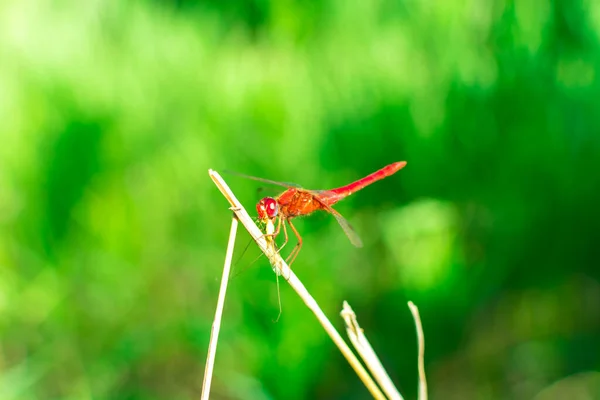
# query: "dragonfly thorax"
267,208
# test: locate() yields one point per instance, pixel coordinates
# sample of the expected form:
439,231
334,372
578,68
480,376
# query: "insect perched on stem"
296,201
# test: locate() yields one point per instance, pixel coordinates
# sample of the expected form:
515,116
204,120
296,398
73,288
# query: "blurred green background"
112,235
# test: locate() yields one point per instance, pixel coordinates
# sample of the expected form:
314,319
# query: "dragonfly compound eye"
267,208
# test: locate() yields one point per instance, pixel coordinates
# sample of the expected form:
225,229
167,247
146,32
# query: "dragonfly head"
267,208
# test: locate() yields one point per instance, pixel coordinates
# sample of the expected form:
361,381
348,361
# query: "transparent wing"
348,230
269,181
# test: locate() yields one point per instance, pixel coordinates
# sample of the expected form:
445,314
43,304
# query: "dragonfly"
296,202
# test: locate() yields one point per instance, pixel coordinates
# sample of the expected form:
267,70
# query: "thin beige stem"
421,338
363,347
216,326
283,269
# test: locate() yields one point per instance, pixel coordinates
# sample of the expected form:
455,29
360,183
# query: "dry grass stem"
282,268
421,338
363,347
216,326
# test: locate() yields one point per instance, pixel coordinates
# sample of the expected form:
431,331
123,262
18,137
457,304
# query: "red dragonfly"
296,201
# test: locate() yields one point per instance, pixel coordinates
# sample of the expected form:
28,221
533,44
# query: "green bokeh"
112,235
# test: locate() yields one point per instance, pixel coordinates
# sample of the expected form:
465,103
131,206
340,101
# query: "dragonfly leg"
284,234
292,256
276,233
272,236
